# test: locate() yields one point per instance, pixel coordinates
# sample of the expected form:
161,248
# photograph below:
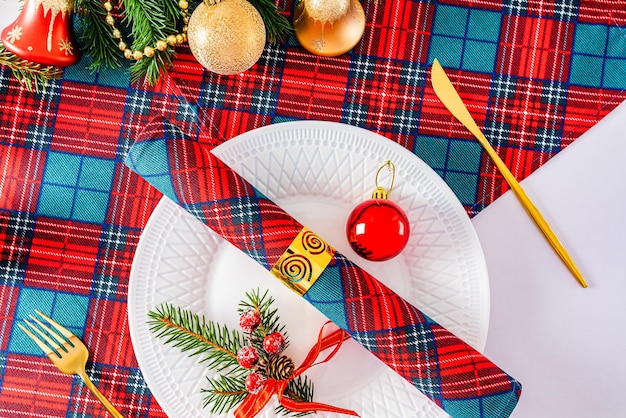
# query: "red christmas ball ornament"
249,320
378,229
247,357
254,383
274,343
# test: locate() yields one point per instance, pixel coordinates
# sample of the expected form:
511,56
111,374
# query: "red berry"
247,357
254,382
274,343
249,320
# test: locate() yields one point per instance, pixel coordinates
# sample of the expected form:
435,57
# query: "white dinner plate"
318,172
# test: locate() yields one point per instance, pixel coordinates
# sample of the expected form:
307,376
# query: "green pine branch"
196,336
31,75
150,21
224,393
277,27
96,36
152,68
218,349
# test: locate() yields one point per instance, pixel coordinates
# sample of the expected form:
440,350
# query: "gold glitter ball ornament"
227,37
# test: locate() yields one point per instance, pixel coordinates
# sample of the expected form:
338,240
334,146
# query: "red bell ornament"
43,33
378,229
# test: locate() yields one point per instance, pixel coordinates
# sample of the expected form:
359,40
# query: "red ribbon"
254,403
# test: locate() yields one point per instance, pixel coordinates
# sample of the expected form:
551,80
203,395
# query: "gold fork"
66,351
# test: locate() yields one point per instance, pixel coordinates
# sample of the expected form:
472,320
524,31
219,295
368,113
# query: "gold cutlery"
66,351
452,101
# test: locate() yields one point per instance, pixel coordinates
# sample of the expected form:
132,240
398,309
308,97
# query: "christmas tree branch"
235,378
152,68
31,75
300,390
152,20
185,330
277,27
95,35
224,393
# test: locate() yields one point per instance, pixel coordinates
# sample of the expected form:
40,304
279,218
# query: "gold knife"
452,101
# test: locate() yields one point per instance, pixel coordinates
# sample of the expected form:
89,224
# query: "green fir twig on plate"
218,347
196,336
224,393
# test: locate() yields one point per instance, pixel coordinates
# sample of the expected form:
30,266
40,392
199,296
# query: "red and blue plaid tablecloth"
535,74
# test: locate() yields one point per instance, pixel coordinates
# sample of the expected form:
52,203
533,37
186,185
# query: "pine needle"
269,316
300,390
277,27
224,393
195,336
31,75
95,35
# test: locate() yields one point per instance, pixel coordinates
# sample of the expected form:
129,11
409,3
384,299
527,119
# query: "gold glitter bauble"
326,11
227,37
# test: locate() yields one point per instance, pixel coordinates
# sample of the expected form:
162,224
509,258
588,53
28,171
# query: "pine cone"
279,368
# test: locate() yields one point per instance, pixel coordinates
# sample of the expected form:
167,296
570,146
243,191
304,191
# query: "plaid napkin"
451,373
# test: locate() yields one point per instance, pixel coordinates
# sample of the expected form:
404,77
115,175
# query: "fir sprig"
299,389
95,35
218,347
277,27
197,336
224,393
32,76
149,21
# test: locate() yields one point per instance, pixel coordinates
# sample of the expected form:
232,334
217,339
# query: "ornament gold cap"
380,192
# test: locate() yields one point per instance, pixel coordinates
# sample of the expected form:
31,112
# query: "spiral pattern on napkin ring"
312,243
296,268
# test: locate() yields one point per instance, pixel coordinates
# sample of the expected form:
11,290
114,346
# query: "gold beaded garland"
161,44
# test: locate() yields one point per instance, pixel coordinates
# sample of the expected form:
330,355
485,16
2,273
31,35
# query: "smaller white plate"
318,172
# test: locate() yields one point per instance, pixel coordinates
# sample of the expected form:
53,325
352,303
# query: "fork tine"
66,333
51,343
59,340
44,347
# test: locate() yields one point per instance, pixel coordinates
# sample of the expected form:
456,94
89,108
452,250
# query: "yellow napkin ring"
303,261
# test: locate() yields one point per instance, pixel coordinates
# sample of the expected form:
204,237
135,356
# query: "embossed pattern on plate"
317,171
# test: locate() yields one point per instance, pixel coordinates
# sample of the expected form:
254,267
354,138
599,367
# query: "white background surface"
566,344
